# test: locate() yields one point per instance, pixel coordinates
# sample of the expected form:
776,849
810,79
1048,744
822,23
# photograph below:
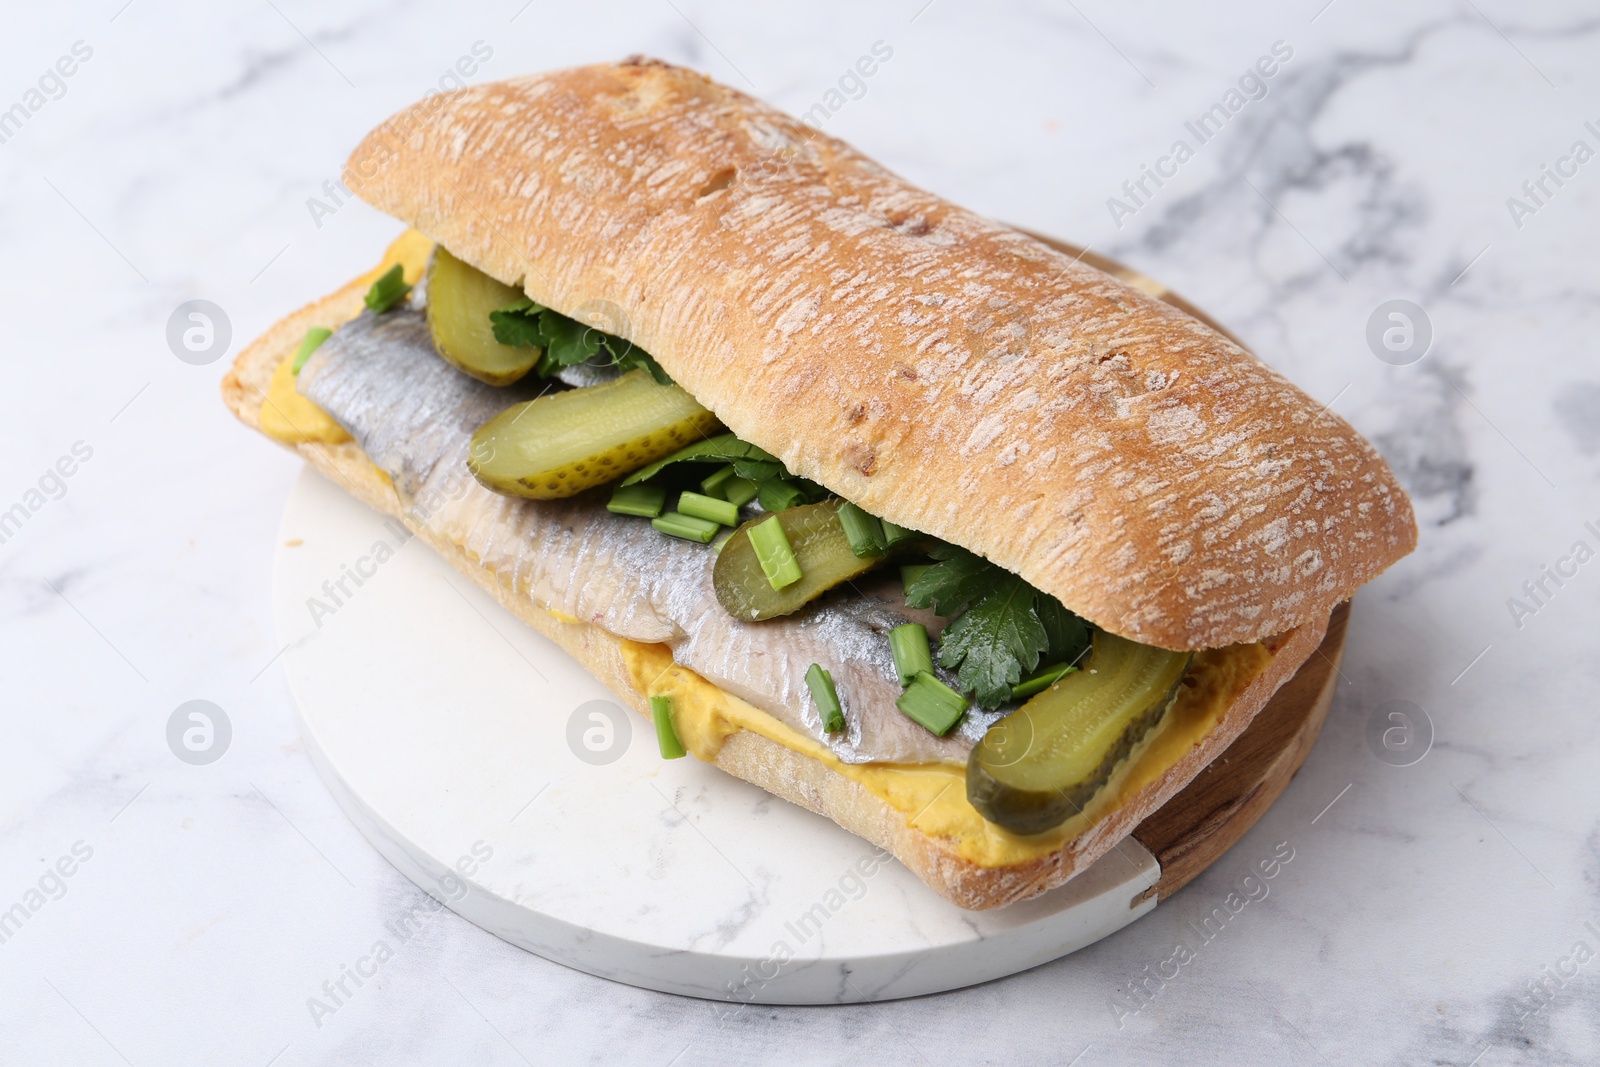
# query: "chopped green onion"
713,482
776,494
909,573
687,527
909,645
820,682
932,704
863,531
739,491
894,535
309,344
709,508
387,290
645,501
1040,680
666,736
777,559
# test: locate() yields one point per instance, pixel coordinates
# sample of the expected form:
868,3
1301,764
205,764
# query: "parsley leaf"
1068,635
748,461
1000,625
995,641
518,325
567,341
777,488
952,584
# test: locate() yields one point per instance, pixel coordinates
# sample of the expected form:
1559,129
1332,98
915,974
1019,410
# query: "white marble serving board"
441,724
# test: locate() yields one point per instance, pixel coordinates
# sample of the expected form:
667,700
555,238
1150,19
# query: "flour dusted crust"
782,771
941,370
944,371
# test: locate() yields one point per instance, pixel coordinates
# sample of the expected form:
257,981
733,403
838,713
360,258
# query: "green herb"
1068,635
388,290
567,341
712,484
666,736
777,558
776,495
687,527
707,507
747,460
1040,680
909,646
645,501
894,536
909,573
994,641
756,473
1000,626
309,344
519,325
739,491
863,531
820,682
949,586
932,704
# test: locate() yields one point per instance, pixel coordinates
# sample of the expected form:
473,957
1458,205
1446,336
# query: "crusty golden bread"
783,771
942,370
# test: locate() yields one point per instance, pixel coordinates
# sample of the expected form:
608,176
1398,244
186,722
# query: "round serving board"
503,779
454,737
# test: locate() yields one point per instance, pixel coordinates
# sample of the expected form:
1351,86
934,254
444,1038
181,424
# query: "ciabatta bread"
780,770
944,371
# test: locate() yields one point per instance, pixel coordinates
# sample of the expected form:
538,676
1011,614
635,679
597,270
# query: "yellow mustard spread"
289,417
933,797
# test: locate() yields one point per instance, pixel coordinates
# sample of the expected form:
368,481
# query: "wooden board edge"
1193,829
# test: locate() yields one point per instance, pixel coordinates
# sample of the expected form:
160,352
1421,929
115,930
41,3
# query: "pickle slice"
460,297
1044,762
818,539
563,443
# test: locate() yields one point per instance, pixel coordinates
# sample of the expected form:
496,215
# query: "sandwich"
882,506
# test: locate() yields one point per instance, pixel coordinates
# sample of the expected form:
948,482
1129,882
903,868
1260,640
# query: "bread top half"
943,371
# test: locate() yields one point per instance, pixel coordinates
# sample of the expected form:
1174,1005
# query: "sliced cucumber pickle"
563,443
819,543
460,297
1044,762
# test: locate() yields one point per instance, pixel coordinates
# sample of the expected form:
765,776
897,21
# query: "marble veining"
1432,912
670,876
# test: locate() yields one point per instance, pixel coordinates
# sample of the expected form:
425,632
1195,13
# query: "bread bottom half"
788,772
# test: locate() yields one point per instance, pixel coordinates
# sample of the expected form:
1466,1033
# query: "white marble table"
1441,912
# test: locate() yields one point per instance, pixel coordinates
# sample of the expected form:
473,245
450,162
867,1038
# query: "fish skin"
414,415
596,370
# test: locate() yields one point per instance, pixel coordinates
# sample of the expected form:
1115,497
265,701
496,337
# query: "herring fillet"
414,415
